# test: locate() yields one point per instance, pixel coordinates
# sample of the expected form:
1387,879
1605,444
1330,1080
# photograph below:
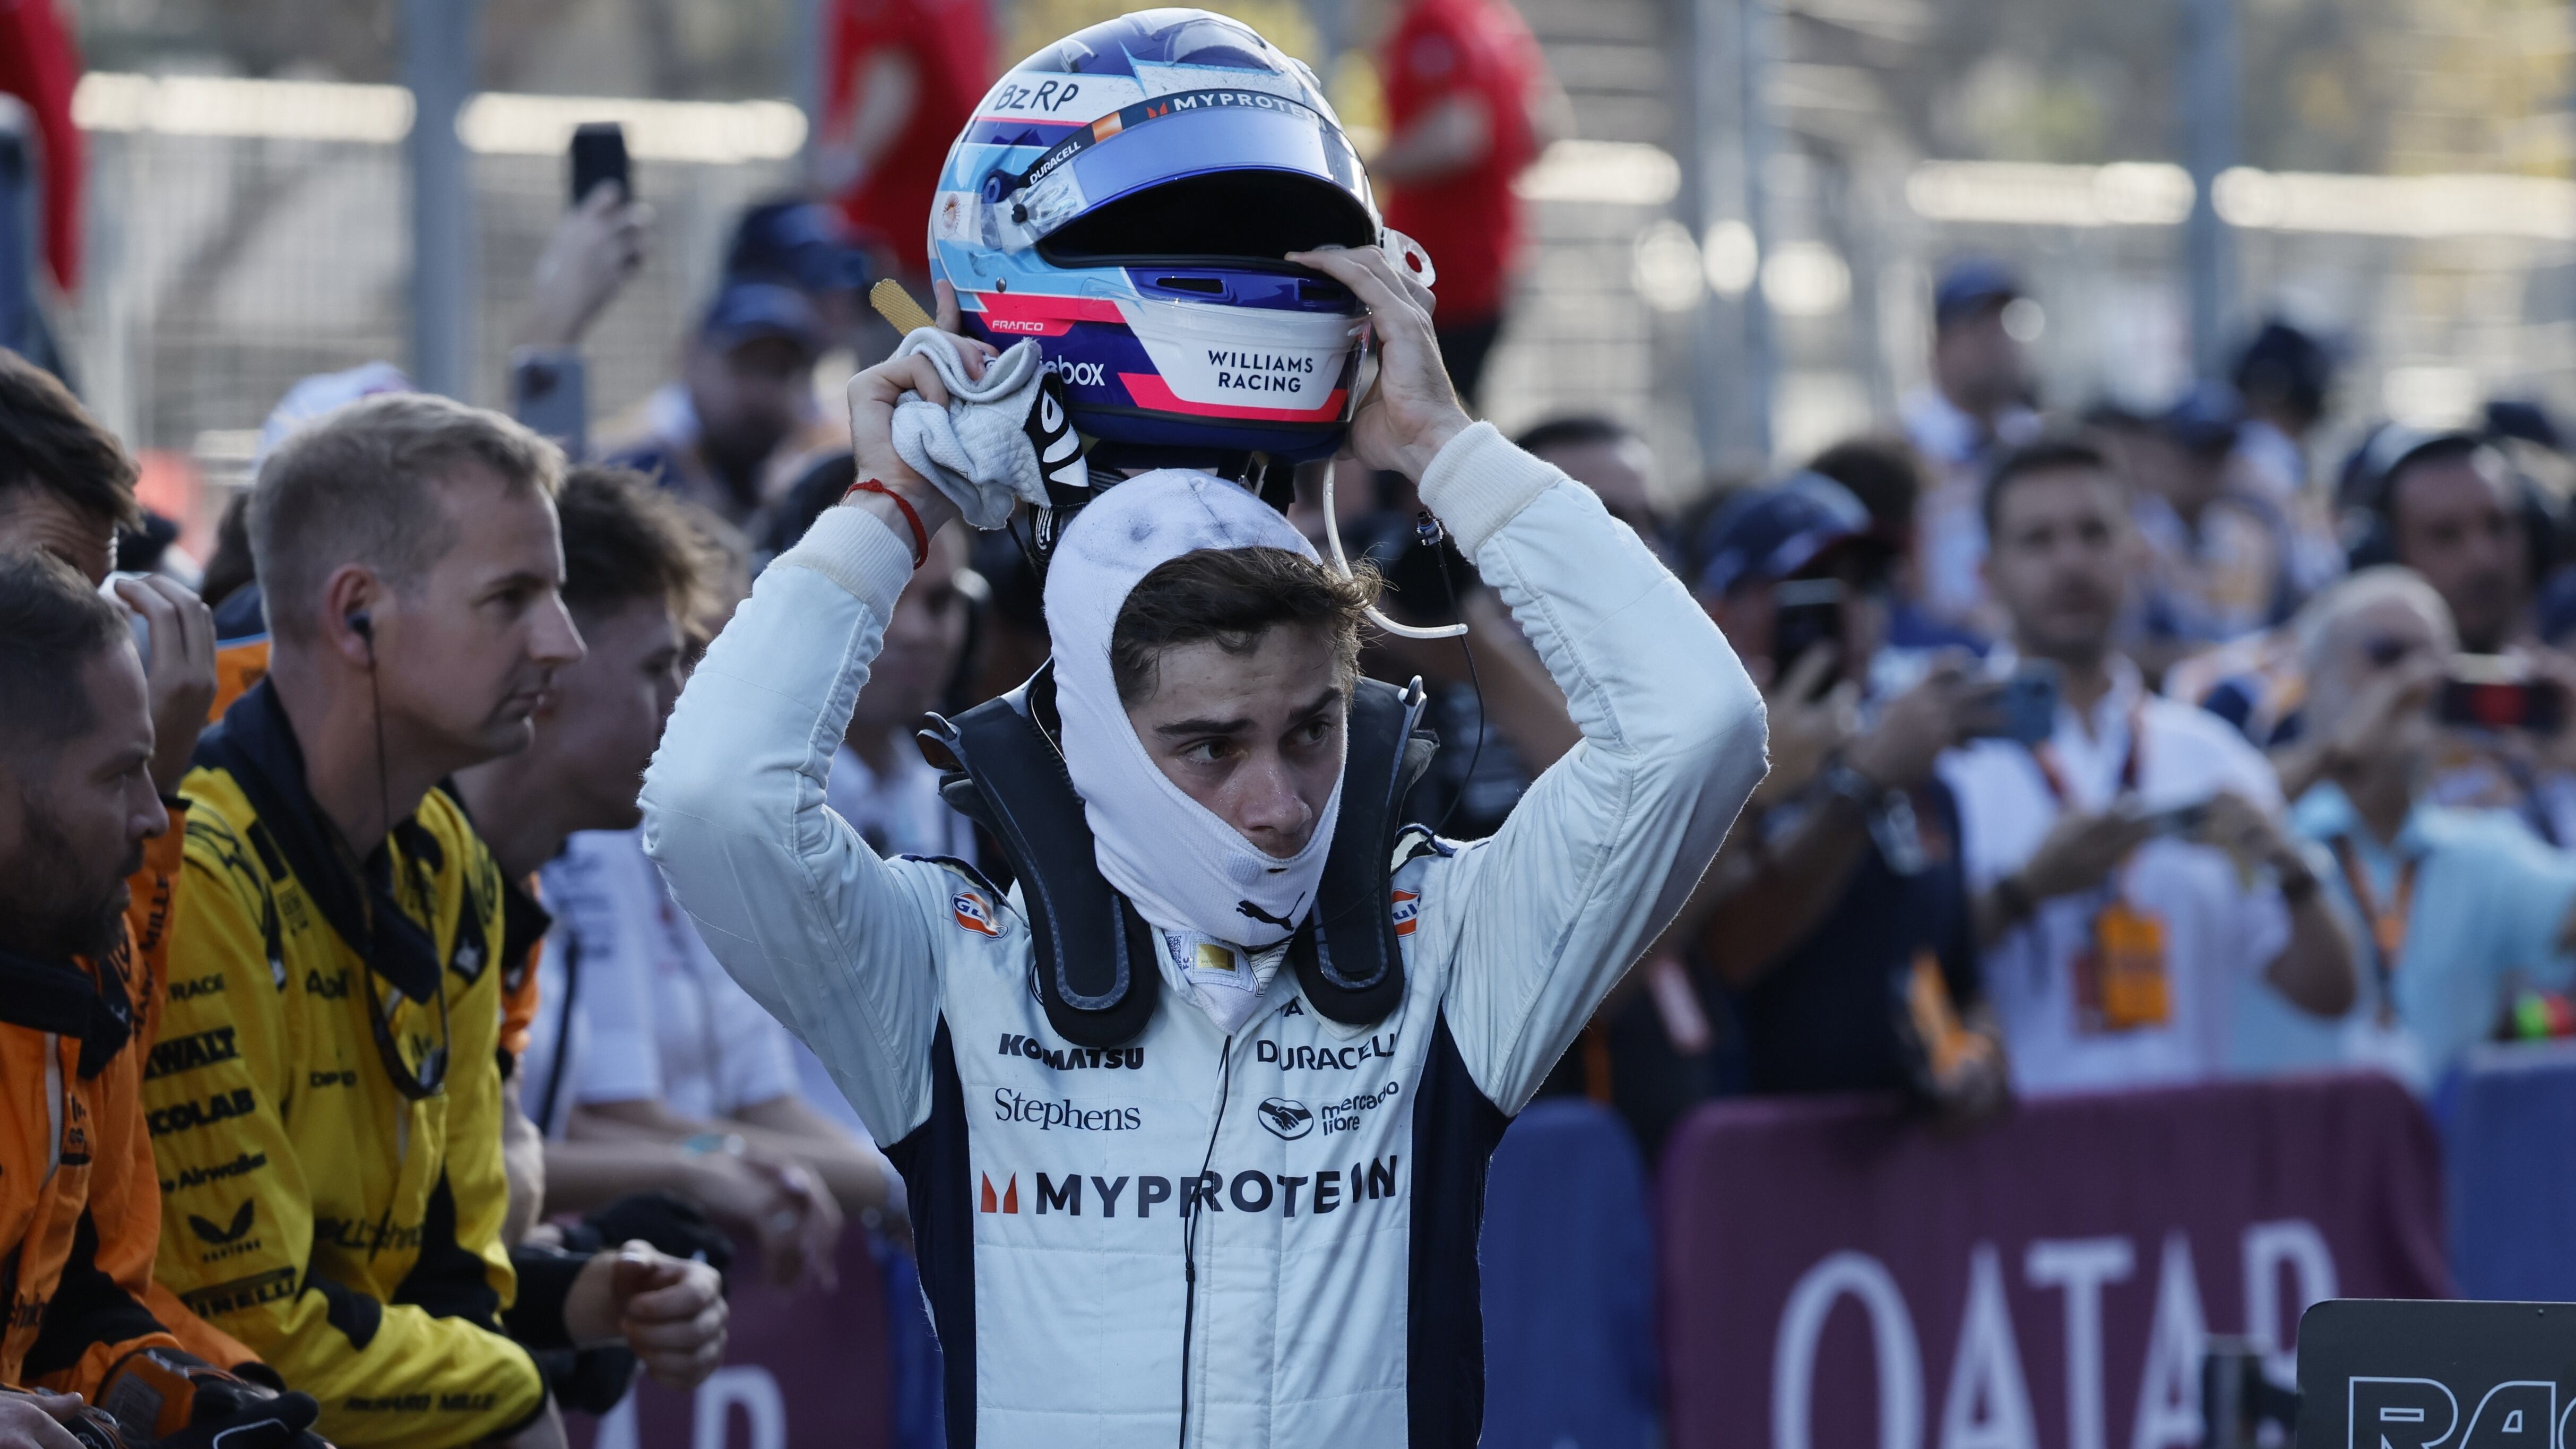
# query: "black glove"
175,1400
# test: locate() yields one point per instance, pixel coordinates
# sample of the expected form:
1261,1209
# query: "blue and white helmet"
1125,196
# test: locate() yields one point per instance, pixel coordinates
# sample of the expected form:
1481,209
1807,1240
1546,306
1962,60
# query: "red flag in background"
40,65
903,79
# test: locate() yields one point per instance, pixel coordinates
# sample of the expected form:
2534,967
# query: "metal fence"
244,234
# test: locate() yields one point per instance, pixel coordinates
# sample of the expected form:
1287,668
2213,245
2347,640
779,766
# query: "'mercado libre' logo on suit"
1314,1194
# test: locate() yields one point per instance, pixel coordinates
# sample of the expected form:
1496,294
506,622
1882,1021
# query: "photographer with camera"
1837,913
2459,911
2132,878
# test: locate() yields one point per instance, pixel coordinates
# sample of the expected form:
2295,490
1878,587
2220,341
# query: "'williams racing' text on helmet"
1125,197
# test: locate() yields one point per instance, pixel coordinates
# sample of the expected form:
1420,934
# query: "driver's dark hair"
52,624
1232,596
2047,453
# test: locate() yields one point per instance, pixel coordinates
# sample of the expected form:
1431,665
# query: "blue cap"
800,243
2205,419
744,310
2285,361
1968,285
2524,419
1763,535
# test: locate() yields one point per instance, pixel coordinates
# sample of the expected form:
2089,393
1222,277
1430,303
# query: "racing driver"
1195,1118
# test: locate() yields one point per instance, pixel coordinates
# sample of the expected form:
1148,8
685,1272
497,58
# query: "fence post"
2211,97
438,65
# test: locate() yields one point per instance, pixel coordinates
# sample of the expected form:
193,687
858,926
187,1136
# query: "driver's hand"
1411,411
873,395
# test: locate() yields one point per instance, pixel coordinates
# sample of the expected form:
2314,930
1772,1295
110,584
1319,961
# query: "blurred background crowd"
2125,442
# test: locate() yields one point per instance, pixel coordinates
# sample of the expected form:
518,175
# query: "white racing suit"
1322,1184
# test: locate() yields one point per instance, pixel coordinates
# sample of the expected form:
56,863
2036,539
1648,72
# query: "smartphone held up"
599,154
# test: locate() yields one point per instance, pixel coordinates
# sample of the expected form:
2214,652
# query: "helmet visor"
1126,153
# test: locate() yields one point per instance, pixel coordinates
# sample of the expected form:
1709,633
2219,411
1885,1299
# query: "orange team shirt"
80,1196
519,980
1470,222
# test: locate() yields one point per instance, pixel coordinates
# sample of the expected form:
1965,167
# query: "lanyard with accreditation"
2387,924
2119,973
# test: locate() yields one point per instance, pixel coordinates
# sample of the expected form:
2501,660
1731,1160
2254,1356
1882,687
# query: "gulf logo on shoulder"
974,913
1406,905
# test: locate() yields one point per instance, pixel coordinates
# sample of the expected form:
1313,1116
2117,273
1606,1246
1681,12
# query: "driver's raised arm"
1543,918
834,941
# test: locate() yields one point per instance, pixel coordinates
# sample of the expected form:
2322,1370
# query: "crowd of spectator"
2116,749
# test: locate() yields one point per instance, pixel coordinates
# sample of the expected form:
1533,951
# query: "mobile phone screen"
599,154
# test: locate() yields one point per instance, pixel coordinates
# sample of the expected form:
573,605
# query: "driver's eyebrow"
1203,727
1180,727
1331,696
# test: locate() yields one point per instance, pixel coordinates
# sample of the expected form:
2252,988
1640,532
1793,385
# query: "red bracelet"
920,535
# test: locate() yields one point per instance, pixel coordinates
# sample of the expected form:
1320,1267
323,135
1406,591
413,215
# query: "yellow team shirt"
350,1235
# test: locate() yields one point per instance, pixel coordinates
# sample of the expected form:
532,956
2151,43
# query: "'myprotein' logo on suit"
1066,1059
1314,1194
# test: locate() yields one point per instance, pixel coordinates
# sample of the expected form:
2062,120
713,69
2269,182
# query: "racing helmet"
1125,196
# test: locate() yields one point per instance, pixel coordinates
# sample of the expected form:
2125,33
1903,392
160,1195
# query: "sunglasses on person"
2387,651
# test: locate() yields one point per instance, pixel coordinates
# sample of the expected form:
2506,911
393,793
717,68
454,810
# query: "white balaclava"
1180,864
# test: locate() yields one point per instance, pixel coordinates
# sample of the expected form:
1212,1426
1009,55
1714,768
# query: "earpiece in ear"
364,626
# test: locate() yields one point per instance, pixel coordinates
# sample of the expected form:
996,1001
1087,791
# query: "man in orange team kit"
79,948
66,486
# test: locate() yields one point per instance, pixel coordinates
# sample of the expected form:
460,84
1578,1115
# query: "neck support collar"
1095,968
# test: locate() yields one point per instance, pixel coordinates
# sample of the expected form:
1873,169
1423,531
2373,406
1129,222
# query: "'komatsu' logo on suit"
1066,1059
1313,1194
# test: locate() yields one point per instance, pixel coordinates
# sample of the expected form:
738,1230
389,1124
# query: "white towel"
982,450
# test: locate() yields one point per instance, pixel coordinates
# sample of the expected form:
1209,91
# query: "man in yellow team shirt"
343,924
